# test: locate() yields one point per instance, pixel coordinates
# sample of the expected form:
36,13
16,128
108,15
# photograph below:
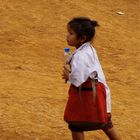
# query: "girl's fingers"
67,67
63,76
65,71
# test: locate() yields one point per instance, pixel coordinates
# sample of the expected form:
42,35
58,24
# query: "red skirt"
85,107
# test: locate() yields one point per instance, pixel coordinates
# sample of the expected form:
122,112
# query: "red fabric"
86,109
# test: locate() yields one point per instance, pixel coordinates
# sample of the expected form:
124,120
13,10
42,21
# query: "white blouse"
84,64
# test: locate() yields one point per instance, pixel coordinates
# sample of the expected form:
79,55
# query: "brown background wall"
32,38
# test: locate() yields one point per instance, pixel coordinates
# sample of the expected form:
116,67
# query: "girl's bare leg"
112,133
78,135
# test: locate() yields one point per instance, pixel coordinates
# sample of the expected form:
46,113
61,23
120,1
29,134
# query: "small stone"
120,13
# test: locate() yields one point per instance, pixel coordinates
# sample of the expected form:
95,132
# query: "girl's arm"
81,68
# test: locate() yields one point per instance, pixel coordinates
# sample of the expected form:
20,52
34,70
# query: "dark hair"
83,26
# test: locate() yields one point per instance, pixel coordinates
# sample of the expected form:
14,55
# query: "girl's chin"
69,44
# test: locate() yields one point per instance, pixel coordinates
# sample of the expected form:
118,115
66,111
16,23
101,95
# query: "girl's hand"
66,72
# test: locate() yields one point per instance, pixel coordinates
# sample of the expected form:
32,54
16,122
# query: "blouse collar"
80,48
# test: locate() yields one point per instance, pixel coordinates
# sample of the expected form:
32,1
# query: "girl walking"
88,107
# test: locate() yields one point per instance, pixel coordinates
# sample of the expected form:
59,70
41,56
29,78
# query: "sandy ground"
32,38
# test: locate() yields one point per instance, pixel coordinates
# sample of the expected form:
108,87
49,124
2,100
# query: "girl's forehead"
69,28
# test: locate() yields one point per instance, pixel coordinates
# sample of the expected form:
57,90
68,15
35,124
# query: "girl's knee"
78,135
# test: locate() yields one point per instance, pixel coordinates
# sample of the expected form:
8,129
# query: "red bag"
86,109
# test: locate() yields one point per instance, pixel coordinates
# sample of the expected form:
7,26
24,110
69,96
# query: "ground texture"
32,38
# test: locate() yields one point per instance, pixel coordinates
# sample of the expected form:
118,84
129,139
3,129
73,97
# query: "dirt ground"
32,39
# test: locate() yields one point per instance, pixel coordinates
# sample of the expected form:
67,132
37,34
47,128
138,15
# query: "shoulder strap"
93,82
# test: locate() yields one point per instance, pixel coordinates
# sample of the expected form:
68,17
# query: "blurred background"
32,38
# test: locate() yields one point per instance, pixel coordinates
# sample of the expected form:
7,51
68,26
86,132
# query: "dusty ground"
32,38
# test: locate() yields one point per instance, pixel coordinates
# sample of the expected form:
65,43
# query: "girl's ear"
83,39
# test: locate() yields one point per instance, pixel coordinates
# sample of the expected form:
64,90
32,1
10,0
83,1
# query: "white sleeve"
81,68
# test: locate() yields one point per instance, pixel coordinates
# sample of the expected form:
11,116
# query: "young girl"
88,90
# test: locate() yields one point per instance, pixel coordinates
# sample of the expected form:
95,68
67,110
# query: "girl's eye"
71,33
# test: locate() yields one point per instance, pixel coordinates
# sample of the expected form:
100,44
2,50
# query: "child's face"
72,39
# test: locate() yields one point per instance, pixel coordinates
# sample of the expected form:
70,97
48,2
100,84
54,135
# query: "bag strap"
94,89
93,82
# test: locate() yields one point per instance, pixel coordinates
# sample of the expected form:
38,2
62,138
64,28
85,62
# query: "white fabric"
84,63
